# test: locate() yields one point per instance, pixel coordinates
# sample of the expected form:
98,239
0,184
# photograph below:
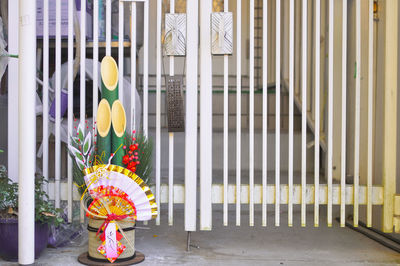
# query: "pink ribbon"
110,217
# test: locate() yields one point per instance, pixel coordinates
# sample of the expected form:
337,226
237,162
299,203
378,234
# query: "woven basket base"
84,259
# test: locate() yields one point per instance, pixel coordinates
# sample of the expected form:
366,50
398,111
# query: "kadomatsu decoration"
105,170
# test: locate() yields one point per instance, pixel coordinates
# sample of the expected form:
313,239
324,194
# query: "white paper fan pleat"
118,177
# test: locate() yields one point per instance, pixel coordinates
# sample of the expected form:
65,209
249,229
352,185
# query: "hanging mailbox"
222,33
175,105
175,34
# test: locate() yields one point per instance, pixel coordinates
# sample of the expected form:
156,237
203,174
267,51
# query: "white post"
206,116
146,68
238,108
265,114
158,110
251,117
303,110
171,144
27,132
13,91
192,8
277,112
108,27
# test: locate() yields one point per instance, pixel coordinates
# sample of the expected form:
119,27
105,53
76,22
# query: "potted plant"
45,214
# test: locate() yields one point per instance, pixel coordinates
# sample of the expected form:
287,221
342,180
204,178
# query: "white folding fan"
108,177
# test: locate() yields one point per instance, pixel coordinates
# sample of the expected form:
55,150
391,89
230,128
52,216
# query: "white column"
291,111
265,114
251,117
171,144
108,27
158,110
344,114
277,112
27,133
226,114
71,99
13,91
146,68
192,9
205,116
57,182
238,107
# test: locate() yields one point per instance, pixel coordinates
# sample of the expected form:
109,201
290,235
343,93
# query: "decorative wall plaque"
222,33
175,34
175,111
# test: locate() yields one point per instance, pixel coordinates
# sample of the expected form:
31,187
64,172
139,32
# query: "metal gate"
297,51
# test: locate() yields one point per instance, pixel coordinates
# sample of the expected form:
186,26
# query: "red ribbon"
110,217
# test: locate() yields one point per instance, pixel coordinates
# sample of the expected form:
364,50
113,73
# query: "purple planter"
9,238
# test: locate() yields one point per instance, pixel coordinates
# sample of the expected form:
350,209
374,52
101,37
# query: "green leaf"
75,152
80,164
87,143
75,140
80,132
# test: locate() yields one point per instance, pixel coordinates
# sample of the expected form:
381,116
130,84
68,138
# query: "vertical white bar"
121,49
206,116
303,110
27,131
58,107
357,113
330,112
83,66
70,100
291,110
265,113
226,125
96,62
344,113
146,68
133,65
158,111
108,27
370,108
171,180
171,144
238,107
251,117
13,20
317,109
82,112
46,90
192,9
277,112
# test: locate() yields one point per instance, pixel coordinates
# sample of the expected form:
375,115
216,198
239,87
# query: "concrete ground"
244,245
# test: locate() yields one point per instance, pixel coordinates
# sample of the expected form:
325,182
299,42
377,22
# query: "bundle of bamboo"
111,122
118,121
104,130
109,79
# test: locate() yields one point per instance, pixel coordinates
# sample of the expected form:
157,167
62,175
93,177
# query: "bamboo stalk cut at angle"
103,131
109,79
118,131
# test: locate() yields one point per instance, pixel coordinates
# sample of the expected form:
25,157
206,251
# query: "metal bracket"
222,33
175,34
188,242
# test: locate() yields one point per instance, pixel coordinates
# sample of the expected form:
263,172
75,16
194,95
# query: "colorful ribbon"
110,217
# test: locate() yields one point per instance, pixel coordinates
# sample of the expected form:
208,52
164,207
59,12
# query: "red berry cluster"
131,158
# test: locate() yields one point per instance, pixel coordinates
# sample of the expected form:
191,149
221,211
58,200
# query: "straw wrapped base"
85,259
95,242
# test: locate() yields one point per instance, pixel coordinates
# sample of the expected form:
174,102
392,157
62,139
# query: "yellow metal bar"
390,113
